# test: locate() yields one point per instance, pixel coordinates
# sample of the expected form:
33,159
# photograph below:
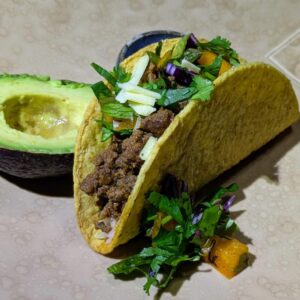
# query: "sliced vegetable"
180,47
129,87
208,58
139,69
229,257
192,54
181,75
139,98
190,66
141,109
148,148
192,41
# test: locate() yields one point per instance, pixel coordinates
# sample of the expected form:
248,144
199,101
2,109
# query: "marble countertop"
43,255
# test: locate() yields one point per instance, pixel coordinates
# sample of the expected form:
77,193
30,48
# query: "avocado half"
39,119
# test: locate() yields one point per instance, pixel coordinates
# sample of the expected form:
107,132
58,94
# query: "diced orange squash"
208,57
229,257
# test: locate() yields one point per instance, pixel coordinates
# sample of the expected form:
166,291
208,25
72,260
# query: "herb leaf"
120,74
101,90
176,95
214,68
221,46
118,110
177,244
204,86
209,221
166,205
192,54
105,74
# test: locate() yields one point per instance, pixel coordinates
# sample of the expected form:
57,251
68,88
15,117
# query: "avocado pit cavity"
41,115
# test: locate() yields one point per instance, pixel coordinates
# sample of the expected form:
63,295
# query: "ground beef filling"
117,167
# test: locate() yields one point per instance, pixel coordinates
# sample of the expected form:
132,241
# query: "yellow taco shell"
251,104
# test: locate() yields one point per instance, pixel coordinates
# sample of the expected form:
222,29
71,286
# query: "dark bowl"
144,39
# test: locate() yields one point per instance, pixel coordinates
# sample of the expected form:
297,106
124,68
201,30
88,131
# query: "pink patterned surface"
43,255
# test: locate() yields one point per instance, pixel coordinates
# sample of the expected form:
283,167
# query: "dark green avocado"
39,119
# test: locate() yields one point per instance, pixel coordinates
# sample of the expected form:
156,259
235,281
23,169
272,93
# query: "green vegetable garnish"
179,236
118,111
204,88
180,47
221,46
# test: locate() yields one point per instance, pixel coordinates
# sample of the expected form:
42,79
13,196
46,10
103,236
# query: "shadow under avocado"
61,186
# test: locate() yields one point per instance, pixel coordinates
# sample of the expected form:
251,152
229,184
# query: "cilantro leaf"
222,191
105,74
221,46
101,90
166,205
151,280
177,244
173,96
120,74
128,265
209,221
192,54
118,110
204,86
106,134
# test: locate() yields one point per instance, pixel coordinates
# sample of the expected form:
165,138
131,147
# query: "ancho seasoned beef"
157,123
117,167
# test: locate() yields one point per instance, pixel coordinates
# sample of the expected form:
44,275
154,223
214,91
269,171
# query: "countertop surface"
43,255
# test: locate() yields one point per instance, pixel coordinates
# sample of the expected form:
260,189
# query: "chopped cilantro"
181,242
117,110
221,46
204,88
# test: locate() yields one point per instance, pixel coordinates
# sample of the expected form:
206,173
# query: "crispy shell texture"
251,104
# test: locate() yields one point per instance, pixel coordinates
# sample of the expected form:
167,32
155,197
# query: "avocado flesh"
40,115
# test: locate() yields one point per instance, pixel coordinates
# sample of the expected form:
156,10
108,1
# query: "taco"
191,108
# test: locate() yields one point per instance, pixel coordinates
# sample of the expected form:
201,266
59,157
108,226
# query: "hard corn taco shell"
251,104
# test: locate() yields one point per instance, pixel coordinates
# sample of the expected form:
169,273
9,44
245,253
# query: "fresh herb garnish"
101,90
178,234
213,68
204,88
105,74
221,46
118,111
192,54
173,96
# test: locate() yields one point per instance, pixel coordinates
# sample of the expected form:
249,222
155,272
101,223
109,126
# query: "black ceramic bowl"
144,39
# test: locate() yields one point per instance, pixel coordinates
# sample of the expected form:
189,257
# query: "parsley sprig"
178,233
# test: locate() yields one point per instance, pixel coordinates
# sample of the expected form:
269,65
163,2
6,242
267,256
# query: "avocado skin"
35,165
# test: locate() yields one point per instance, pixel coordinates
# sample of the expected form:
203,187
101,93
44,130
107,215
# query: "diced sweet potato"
229,257
208,57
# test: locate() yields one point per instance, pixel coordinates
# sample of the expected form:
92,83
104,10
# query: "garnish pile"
158,79
182,230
